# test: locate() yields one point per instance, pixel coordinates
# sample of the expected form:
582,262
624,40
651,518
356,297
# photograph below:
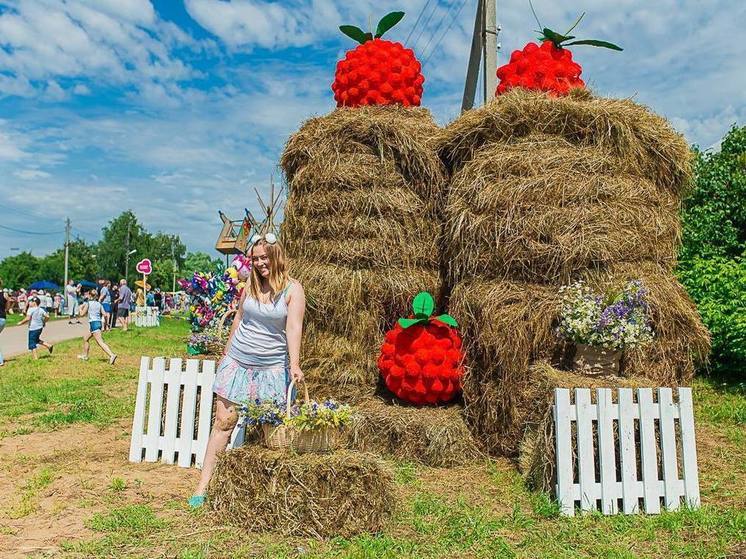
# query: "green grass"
483,512
60,390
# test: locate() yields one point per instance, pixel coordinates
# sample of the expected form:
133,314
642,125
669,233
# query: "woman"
263,351
105,299
95,310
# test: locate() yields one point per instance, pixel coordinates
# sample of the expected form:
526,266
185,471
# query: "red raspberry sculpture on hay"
377,72
548,67
421,359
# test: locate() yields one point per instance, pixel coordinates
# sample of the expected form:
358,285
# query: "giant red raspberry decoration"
377,72
421,359
548,67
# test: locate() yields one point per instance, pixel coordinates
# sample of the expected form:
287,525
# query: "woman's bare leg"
226,418
86,344
101,343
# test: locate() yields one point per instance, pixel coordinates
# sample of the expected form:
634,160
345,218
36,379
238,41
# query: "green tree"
198,262
20,270
712,263
123,234
82,263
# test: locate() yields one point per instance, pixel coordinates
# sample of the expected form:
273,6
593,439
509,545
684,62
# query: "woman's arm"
236,321
83,309
294,328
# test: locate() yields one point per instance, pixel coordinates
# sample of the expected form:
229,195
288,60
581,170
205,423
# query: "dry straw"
311,495
546,191
436,437
362,233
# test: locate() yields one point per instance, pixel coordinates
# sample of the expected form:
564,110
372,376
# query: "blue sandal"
196,501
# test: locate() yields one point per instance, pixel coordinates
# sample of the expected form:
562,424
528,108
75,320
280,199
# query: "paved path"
14,339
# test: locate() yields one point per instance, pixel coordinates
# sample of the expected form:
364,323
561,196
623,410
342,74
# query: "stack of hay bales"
361,230
340,494
545,191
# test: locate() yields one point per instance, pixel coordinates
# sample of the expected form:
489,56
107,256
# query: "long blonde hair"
278,270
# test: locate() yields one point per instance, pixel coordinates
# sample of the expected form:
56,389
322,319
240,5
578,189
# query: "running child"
36,317
95,310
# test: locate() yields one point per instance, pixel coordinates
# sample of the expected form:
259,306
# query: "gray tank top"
260,340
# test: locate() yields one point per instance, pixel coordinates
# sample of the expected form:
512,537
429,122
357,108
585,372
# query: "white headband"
270,238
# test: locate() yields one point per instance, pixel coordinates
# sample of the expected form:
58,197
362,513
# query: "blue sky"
176,109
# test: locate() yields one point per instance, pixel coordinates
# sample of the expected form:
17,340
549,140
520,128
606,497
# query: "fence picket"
688,448
586,470
627,454
668,449
606,454
188,409
138,421
155,409
648,451
563,450
173,387
205,410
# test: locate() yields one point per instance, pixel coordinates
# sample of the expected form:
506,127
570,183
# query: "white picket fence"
626,456
147,317
178,432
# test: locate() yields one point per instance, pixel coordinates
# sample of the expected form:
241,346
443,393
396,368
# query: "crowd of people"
107,306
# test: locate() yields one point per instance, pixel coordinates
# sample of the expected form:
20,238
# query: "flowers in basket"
603,326
308,427
210,341
310,416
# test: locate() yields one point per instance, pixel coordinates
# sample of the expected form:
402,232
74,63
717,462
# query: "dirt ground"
83,461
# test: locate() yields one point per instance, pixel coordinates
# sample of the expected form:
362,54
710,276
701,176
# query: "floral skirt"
239,384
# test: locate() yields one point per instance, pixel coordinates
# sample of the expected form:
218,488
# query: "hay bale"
642,143
541,208
362,233
339,494
510,326
436,436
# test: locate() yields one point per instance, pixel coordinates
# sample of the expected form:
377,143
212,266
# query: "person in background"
125,300
139,297
4,304
22,301
71,300
104,298
95,310
158,299
36,317
114,305
57,304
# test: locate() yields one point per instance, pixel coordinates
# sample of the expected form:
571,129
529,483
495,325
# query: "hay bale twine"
311,495
433,436
545,191
362,233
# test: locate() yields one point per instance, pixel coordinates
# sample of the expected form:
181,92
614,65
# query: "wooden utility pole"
67,251
483,52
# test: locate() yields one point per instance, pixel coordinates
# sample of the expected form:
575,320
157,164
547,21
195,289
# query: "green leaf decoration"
354,33
387,22
574,25
555,37
407,322
447,319
423,304
596,43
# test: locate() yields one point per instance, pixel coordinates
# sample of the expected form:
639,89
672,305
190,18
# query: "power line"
419,17
424,26
31,232
442,21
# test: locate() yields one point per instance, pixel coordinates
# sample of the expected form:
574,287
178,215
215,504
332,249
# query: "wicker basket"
279,437
596,361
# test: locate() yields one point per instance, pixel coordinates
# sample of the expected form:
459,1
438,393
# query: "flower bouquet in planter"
602,327
308,427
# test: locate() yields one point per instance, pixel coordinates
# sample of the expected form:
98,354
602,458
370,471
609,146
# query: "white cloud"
112,42
81,89
31,174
